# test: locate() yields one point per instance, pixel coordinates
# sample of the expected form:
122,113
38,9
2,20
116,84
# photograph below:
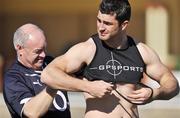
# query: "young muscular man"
113,64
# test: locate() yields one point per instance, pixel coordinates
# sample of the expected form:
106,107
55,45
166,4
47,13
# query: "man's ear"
18,47
19,50
124,24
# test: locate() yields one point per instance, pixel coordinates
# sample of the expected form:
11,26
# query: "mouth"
40,60
103,34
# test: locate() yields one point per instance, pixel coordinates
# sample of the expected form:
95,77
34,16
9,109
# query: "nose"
101,26
42,54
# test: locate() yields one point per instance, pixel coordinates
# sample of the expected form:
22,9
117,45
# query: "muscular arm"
39,104
58,73
156,70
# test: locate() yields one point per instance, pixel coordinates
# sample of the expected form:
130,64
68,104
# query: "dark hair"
121,8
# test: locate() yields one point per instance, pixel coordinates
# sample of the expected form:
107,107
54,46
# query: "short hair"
121,8
21,35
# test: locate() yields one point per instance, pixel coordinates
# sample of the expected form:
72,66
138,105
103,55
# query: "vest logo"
114,67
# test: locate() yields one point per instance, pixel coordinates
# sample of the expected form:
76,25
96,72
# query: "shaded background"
66,22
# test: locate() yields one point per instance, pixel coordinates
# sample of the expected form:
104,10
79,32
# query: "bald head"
24,33
30,44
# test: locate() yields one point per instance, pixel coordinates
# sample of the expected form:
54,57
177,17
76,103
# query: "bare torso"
111,105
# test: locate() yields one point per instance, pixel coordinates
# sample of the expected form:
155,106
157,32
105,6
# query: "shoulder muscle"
76,56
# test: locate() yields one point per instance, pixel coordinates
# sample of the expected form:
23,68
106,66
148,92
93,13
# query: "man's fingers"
134,97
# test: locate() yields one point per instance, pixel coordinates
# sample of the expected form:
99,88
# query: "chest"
116,65
33,82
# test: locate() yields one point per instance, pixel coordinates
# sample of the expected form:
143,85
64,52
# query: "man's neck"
118,42
27,65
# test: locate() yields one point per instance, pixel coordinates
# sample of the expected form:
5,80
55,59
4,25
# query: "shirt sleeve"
16,91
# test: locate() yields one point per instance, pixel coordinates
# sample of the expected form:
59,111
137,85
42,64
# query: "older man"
24,93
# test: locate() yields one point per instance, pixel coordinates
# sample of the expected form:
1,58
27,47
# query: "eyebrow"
105,22
38,49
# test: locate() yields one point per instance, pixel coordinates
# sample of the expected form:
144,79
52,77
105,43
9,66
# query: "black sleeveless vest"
115,65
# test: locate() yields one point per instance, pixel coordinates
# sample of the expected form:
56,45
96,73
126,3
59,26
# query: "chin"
39,65
104,38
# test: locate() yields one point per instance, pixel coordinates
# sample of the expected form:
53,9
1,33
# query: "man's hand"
141,96
100,88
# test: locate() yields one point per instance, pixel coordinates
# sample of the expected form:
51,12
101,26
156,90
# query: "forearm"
169,88
57,79
39,104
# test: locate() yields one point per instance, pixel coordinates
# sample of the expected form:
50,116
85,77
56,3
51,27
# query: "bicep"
155,69
73,59
67,63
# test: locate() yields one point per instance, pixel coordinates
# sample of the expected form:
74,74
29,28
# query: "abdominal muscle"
111,105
